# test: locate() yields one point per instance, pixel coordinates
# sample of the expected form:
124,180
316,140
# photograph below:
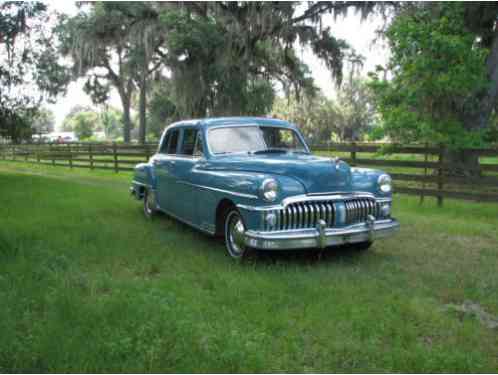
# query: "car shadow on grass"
340,254
344,254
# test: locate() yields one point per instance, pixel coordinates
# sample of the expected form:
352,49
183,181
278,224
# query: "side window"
199,148
188,142
164,144
172,142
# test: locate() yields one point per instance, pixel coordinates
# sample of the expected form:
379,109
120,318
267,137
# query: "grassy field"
88,285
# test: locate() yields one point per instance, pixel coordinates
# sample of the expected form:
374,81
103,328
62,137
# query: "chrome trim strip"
308,198
186,221
339,192
141,183
333,197
203,187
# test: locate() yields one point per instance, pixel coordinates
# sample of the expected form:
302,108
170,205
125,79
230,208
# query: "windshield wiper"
270,150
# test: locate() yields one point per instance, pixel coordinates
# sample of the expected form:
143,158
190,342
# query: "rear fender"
143,178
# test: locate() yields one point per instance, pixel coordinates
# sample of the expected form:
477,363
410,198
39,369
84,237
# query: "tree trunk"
461,163
142,130
477,117
125,101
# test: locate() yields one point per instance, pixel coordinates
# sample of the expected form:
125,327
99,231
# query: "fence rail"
416,170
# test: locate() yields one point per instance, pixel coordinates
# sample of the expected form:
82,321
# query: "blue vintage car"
255,182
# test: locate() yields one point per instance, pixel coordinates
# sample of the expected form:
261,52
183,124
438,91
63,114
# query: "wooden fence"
416,170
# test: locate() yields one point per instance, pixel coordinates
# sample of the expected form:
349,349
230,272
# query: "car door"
185,205
163,167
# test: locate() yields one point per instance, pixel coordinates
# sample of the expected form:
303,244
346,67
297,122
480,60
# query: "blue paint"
192,188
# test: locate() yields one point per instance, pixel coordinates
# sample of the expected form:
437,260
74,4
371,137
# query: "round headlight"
385,183
269,190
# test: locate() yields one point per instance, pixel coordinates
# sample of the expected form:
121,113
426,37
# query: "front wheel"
234,234
150,206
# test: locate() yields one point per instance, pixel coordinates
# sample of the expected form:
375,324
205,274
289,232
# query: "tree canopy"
169,61
30,70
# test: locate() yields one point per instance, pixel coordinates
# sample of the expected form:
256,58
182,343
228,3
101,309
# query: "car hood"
317,174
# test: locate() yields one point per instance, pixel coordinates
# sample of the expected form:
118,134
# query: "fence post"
52,153
26,153
38,153
70,156
353,154
13,152
440,174
147,153
114,150
426,160
91,156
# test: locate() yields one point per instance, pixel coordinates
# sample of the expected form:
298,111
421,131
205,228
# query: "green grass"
88,285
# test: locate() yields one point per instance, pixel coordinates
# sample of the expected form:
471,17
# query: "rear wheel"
234,234
150,207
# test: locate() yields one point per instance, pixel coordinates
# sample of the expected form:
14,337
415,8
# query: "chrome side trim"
141,184
186,222
203,187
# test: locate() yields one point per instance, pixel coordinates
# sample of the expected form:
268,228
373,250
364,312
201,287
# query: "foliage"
220,58
111,121
157,297
83,121
437,68
86,120
84,124
315,116
225,56
95,40
30,71
43,121
350,117
162,109
114,45
356,111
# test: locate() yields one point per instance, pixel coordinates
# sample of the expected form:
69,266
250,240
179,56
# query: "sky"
359,34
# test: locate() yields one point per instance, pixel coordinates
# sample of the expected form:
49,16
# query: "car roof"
220,121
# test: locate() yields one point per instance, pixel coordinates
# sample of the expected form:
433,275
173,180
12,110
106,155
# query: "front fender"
241,188
365,180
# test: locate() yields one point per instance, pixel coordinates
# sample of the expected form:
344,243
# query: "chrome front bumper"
321,237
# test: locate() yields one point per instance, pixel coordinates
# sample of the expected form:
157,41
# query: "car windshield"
254,139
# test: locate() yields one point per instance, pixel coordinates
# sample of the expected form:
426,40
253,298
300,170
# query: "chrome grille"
306,214
357,210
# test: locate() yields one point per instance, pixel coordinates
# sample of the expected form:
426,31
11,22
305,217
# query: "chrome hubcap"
236,235
150,202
